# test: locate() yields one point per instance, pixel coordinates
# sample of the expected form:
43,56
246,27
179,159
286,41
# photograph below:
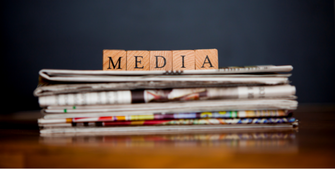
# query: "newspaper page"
165,128
224,70
167,95
169,107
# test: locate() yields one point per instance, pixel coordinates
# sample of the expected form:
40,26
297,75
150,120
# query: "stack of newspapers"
96,101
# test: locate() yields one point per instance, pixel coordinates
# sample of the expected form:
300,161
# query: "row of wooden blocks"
160,60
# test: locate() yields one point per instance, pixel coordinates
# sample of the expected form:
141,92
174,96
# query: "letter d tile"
160,60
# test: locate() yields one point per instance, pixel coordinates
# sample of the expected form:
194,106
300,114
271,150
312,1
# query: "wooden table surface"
312,144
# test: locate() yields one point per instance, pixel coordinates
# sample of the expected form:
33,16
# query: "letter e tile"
138,60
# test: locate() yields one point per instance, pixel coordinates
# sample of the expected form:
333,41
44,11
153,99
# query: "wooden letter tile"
160,60
183,60
138,60
206,59
114,60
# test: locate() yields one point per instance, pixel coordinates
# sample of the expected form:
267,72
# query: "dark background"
72,34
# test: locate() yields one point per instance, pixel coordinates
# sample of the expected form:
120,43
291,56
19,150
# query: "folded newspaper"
66,95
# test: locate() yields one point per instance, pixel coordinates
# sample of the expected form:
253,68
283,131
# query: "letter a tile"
160,60
206,59
114,60
183,60
138,60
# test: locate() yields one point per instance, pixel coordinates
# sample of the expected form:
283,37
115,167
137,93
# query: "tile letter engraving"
208,61
138,61
114,65
164,63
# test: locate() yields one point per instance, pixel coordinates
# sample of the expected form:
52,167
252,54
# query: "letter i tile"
183,60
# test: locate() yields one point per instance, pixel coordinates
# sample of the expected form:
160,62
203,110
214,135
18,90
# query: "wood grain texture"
115,60
183,60
160,60
138,60
206,59
312,146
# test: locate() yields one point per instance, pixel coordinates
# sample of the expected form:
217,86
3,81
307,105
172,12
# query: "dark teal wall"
72,34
